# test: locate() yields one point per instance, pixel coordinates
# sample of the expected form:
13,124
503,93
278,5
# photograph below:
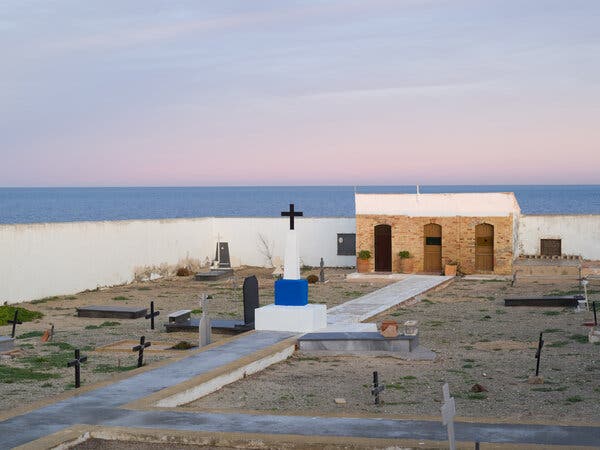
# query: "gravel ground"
478,341
48,361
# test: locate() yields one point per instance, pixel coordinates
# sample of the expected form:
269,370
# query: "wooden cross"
15,322
77,363
538,355
140,349
377,389
448,413
152,315
291,214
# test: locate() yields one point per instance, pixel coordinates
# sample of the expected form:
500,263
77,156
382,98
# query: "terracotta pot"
407,265
362,265
450,270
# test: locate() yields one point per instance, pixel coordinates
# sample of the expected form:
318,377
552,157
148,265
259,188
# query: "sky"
341,92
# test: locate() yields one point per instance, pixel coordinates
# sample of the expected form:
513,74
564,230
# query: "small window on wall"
550,247
346,244
431,240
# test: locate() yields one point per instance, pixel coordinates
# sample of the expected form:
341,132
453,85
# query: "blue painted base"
291,292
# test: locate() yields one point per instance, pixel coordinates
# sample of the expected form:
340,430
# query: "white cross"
448,413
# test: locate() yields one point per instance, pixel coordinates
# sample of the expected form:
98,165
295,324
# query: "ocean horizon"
74,204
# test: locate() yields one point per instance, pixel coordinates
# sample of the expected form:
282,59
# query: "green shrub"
364,254
404,254
25,315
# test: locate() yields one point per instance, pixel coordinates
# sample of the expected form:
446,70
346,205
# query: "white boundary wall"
41,260
580,234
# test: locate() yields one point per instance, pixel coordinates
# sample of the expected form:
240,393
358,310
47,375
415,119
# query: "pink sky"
272,93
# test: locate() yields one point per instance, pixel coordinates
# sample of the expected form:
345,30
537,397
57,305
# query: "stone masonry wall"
458,239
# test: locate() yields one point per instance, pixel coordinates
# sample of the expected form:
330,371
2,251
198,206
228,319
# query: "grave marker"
448,413
152,315
291,214
595,317
204,323
77,364
538,355
15,322
377,388
322,271
140,349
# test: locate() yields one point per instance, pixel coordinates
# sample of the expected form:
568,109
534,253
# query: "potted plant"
451,268
406,262
362,262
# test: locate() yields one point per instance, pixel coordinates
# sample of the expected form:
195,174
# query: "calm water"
30,205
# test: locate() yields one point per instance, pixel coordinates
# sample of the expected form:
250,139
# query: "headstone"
222,255
377,388
77,364
448,413
140,349
322,271
251,302
6,343
204,324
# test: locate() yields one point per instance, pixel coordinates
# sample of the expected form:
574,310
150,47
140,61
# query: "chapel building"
476,230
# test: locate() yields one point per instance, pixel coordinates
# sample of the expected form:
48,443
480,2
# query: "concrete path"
367,306
104,405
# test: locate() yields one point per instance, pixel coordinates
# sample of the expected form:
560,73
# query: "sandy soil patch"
48,361
477,340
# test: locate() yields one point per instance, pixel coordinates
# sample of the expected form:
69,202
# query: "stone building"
476,230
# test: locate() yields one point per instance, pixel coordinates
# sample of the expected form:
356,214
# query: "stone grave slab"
112,312
213,275
6,343
125,346
569,301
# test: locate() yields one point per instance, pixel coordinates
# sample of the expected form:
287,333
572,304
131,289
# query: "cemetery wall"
42,260
579,234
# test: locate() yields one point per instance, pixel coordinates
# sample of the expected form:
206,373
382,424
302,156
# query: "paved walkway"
103,406
367,306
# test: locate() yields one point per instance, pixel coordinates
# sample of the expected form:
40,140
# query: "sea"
38,205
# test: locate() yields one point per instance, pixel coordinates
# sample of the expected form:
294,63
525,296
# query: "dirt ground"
478,341
40,369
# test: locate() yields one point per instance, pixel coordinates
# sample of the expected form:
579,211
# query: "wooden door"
383,248
432,248
484,247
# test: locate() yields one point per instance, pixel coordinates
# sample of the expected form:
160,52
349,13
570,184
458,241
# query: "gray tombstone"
222,255
250,292
322,271
204,324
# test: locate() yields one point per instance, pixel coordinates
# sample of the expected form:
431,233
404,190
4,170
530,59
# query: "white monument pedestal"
300,319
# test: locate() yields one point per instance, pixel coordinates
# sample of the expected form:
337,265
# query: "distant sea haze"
35,205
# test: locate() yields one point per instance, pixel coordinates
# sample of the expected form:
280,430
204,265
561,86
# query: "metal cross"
77,363
291,214
377,389
15,322
595,317
152,315
538,355
140,349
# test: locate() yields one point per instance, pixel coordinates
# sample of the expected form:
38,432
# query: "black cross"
538,355
595,317
77,363
15,322
291,214
140,349
376,387
152,315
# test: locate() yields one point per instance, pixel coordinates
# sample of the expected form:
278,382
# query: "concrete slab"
112,312
6,343
213,275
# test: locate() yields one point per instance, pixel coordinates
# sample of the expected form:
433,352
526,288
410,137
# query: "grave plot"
37,370
486,352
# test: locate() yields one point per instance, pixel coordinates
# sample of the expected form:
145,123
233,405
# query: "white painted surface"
579,234
297,319
291,264
41,260
490,204
218,382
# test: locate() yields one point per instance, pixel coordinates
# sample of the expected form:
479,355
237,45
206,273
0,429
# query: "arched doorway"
383,248
432,261
484,247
